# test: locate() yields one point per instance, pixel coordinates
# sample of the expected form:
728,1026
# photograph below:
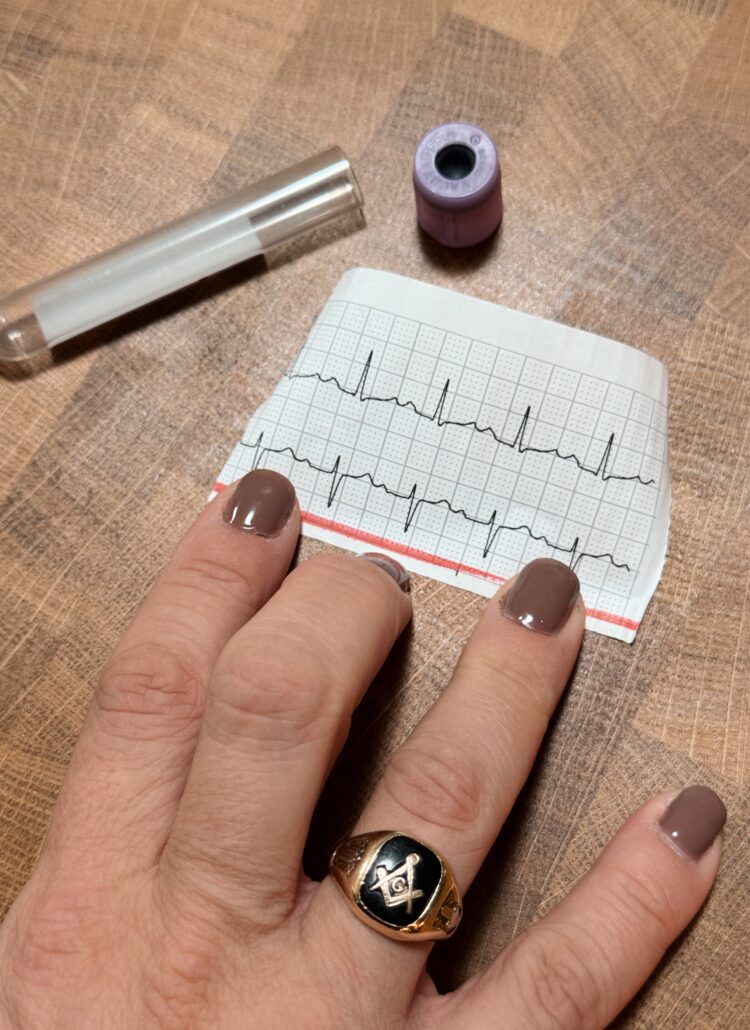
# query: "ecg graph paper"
467,439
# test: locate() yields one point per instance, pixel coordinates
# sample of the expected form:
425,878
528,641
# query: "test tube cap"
457,184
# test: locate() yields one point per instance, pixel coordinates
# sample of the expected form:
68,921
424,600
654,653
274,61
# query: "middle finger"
277,711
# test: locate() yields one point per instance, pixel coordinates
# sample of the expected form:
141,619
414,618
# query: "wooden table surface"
624,132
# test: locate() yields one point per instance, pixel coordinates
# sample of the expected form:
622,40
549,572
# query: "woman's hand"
169,891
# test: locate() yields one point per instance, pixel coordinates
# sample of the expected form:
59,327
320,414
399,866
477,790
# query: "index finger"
132,757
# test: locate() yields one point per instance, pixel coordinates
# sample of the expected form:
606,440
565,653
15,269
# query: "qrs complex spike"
517,443
416,502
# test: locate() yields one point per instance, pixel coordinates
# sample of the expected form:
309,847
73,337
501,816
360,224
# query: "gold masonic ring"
398,885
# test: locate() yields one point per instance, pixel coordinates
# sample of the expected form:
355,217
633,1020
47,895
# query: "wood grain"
624,132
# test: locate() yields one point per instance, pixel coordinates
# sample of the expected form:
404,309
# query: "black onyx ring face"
400,882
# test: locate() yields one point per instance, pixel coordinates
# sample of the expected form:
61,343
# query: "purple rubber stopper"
457,184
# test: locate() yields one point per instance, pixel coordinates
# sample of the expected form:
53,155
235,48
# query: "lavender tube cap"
457,184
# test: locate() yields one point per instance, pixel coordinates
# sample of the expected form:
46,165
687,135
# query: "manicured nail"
693,820
261,503
391,566
543,595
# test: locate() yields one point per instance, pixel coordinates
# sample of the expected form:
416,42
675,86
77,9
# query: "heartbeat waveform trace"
517,443
415,503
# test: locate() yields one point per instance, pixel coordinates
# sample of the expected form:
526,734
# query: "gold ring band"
398,885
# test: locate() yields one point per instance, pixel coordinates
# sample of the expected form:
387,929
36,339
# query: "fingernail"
693,820
261,503
391,566
542,596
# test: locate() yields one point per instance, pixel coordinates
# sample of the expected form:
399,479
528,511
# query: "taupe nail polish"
394,569
693,820
261,503
542,596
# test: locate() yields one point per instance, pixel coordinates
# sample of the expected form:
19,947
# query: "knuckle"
644,905
327,563
327,575
442,788
275,701
520,679
556,981
150,682
210,578
350,576
195,875
179,986
52,941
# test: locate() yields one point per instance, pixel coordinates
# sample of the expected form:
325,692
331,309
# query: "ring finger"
455,779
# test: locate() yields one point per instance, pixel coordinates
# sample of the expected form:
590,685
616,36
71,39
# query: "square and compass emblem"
398,885
400,882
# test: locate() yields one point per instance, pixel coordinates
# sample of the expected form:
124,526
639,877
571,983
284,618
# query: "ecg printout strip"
467,439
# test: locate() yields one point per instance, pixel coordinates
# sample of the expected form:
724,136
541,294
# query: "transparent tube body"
197,245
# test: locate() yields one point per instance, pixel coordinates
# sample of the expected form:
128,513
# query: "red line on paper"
432,559
616,620
410,552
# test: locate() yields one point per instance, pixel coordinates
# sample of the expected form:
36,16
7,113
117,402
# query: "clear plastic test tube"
262,216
